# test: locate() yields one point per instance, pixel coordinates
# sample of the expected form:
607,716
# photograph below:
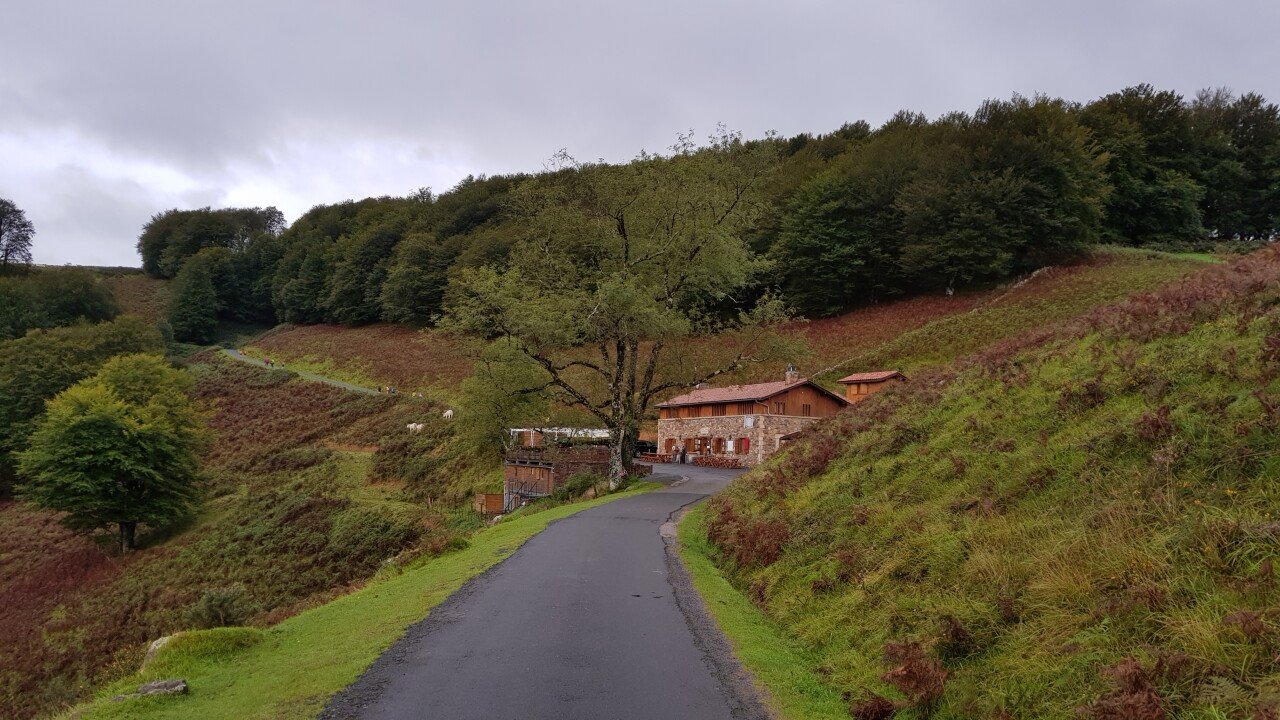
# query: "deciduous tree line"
844,218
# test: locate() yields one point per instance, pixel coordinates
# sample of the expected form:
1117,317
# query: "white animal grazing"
415,428
448,414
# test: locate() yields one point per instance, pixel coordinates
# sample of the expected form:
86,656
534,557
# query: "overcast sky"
113,111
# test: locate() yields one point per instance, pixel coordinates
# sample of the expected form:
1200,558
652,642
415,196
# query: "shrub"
915,674
579,483
220,607
368,535
1135,696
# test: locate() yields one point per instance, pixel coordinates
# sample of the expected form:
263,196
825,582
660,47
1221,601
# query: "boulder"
164,687
156,687
154,648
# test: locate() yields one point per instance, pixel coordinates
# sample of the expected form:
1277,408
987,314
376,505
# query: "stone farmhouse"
747,423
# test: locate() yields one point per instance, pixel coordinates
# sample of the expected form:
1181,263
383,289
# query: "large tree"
1147,136
120,448
46,362
619,263
15,238
170,237
193,312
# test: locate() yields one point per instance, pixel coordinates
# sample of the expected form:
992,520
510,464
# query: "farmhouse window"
745,408
779,408
718,410
745,444
806,410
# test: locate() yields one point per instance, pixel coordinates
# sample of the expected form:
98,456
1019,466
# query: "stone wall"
763,435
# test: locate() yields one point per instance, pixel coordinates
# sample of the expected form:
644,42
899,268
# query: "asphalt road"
593,618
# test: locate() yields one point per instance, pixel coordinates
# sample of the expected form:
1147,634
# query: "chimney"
792,375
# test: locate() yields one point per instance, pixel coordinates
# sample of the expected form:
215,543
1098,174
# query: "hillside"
909,333
311,487
309,490
139,294
1076,521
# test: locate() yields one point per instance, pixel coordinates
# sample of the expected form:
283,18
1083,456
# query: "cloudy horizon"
114,112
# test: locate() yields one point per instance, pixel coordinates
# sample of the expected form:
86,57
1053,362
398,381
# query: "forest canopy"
844,218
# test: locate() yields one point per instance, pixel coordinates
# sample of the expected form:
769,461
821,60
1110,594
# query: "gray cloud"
110,112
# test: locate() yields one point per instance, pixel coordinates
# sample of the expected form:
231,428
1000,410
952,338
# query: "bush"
577,484
220,607
367,535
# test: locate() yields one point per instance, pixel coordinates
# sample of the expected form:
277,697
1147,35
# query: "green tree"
355,286
618,262
16,232
53,298
505,391
120,448
1147,137
43,363
1238,163
841,232
193,313
413,291
169,238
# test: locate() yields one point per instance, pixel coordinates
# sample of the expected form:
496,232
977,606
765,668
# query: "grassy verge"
778,662
291,669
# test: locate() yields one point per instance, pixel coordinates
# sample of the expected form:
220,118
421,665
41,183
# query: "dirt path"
237,355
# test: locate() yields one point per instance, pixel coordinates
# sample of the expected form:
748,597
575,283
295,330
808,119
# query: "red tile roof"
731,393
740,393
870,377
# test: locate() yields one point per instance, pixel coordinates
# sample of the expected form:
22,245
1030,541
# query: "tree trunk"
617,458
622,446
128,533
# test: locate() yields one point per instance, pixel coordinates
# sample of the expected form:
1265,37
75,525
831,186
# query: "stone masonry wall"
763,436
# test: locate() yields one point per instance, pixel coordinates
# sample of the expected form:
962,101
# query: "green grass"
782,667
291,669
1100,496
1056,295
320,367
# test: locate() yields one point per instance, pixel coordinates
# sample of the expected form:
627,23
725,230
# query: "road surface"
593,618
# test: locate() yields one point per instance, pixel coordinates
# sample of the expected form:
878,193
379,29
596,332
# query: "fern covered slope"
1080,520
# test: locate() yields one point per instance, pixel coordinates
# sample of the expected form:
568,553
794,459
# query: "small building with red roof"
860,386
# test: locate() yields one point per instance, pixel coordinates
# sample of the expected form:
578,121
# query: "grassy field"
1077,521
782,667
1052,295
412,360
139,294
291,669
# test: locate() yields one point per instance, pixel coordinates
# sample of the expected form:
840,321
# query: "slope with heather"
309,490
1075,521
908,333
